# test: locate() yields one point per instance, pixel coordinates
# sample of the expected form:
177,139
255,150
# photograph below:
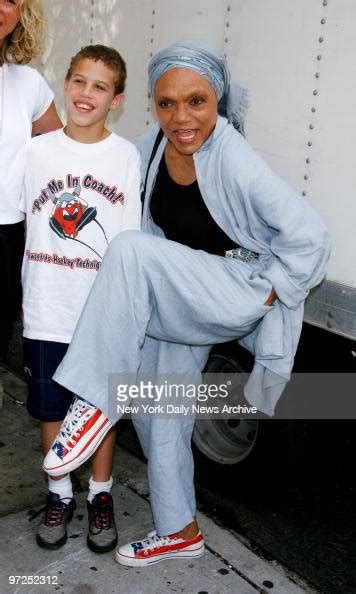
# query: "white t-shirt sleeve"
132,206
43,97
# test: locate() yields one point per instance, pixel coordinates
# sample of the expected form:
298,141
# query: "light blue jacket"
260,212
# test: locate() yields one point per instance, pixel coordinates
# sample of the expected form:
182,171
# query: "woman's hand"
272,297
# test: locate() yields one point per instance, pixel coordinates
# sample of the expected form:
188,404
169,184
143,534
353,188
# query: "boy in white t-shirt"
81,188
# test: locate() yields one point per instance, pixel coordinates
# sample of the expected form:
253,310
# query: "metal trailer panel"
333,174
297,61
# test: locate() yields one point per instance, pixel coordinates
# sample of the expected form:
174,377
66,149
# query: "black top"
181,213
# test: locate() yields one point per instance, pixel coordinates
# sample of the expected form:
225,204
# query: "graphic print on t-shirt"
71,213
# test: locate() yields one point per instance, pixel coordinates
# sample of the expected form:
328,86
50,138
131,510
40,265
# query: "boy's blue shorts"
46,400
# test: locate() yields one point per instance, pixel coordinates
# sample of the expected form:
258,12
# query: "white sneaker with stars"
81,432
154,548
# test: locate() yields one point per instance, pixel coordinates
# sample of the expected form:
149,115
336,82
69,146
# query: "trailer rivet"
318,57
226,39
321,39
305,177
313,109
317,74
323,21
307,160
325,3
311,126
304,193
310,143
227,24
315,92
228,8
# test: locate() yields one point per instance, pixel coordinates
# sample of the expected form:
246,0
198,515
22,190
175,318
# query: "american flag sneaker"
156,548
81,433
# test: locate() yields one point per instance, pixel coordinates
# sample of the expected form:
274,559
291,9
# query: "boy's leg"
102,535
103,458
49,430
48,402
60,485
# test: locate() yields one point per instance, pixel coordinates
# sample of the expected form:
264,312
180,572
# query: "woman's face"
186,107
9,17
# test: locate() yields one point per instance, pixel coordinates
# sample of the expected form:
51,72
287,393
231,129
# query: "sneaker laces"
55,511
102,515
155,541
74,421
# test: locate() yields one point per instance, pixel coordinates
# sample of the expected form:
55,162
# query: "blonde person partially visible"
26,109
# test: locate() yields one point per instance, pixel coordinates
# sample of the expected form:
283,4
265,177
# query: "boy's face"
90,94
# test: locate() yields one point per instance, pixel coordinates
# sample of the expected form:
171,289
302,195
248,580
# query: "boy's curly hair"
25,42
109,56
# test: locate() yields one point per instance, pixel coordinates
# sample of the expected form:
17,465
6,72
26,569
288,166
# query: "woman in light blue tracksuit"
158,305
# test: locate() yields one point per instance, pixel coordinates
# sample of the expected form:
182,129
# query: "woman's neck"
180,167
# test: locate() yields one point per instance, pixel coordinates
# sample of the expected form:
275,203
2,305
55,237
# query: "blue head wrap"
200,57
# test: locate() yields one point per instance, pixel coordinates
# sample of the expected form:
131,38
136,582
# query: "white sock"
95,487
62,487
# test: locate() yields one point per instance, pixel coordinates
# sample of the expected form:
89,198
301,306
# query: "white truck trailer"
297,59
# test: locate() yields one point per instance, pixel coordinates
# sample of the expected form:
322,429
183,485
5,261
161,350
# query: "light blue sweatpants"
157,307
